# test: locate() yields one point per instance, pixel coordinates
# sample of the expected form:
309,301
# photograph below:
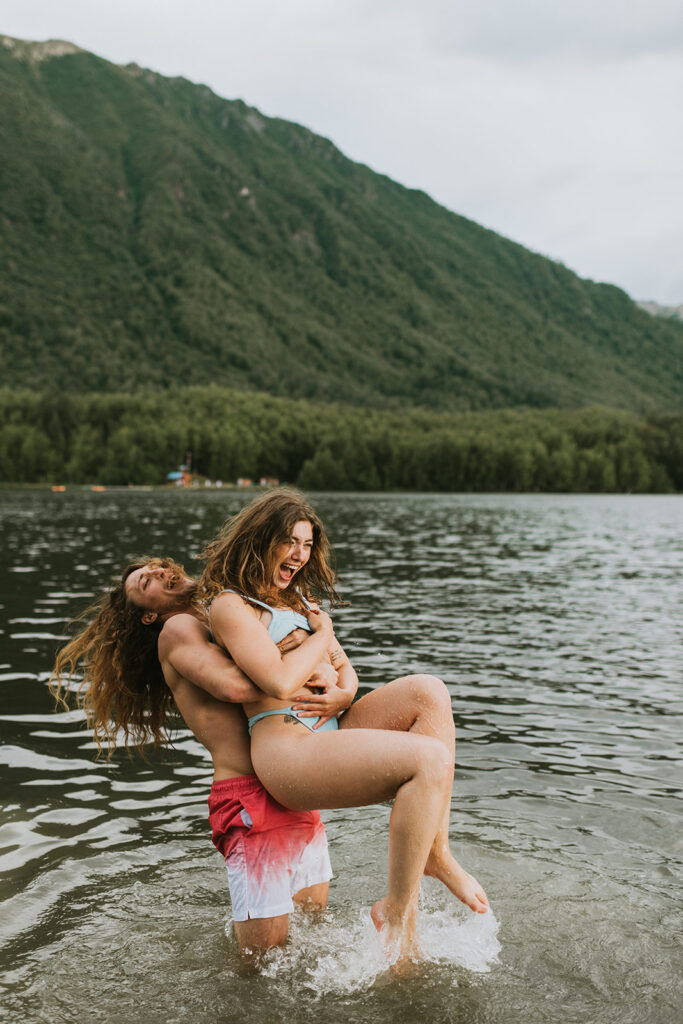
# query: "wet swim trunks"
270,852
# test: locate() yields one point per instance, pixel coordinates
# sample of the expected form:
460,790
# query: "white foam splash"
338,955
470,942
329,955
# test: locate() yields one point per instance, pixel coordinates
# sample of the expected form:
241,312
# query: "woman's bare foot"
463,885
399,937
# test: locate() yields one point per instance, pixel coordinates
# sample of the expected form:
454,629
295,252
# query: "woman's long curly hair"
122,688
242,557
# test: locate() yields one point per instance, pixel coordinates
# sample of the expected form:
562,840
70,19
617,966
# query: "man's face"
159,588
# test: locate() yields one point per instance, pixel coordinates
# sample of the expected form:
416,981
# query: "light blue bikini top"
283,620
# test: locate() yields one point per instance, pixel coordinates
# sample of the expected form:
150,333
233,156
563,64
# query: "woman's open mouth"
287,571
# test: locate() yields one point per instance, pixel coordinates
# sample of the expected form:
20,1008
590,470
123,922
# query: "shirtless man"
149,639
274,857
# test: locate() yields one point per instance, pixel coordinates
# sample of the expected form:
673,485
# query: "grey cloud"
523,30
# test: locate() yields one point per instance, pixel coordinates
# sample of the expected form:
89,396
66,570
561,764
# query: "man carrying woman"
148,646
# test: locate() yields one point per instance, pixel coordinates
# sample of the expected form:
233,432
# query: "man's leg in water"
275,858
313,898
421,704
262,933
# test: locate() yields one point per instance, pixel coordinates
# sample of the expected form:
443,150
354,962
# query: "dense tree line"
138,438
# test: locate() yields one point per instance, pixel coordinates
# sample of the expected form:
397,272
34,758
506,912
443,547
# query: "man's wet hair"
112,666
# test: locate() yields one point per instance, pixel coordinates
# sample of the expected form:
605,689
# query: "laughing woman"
261,572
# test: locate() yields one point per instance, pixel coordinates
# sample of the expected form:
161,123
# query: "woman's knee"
430,691
435,762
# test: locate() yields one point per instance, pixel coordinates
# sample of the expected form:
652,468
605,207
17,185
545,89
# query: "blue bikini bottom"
331,723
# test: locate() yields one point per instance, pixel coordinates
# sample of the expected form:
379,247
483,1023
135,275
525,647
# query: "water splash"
340,954
470,942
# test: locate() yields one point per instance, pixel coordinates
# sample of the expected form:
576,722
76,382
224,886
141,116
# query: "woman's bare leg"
421,704
357,767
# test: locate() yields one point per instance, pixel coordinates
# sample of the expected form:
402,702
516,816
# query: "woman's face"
293,554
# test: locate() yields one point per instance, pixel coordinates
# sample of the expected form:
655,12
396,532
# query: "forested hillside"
155,235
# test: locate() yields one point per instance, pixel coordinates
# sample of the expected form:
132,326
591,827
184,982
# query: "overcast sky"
555,122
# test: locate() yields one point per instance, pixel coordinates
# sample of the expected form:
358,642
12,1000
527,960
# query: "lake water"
556,623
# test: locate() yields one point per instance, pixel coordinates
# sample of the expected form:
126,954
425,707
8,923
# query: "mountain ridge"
659,309
38,50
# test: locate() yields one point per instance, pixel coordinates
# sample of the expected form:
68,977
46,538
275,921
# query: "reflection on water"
556,622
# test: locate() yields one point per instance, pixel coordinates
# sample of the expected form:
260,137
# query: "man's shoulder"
181,627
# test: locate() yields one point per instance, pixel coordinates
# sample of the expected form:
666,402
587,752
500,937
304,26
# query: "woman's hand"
326,705
319,620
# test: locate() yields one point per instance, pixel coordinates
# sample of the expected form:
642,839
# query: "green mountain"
156,235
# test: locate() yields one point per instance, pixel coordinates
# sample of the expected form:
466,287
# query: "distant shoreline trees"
138,438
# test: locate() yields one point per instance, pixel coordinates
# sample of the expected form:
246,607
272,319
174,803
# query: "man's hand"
297,637
324,677
292,641
326,705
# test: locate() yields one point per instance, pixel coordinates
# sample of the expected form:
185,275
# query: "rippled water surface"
556,623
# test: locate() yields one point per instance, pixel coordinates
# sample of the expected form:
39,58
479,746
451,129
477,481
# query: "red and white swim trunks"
270,852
